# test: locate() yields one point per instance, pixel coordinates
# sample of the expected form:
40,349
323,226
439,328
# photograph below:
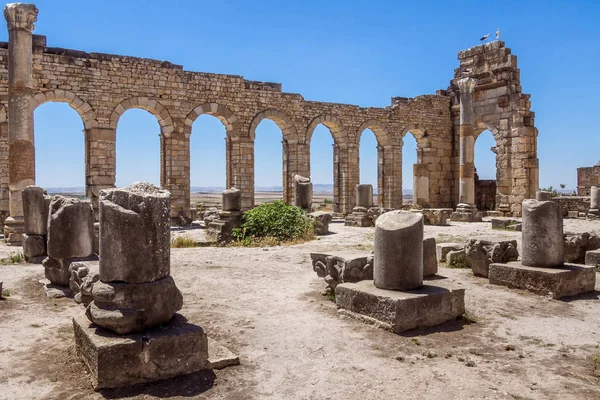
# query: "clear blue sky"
347,51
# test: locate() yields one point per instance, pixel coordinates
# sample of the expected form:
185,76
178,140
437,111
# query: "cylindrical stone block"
398,259
70,228
595,198
364,196
303,192
232,200
543,239
35,210
543,196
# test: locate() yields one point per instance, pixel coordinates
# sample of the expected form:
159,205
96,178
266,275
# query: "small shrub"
5,293
273,223
15,258
182,242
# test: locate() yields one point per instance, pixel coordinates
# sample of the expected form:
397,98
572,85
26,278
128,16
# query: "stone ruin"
587,177
485,93
594,211
135,334
397,298
364,202
35,216
303,193
221,228
543,269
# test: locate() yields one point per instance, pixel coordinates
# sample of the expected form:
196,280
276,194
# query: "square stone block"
568,280
400,311
359,219
177,348
592,257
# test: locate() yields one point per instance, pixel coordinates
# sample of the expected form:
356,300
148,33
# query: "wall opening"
485,171
59,149
321,168
268,162
208,166
409,159
137,148
368,161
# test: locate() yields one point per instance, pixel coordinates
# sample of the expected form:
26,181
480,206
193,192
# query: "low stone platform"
177,348
569,280
592,257
361,220
399,311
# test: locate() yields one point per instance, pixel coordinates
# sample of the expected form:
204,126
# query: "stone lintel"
177,348
399,311
101,134
568,280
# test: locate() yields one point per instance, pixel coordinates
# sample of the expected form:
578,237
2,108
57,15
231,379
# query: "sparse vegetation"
182,242
5,293
15,258
274,223
550,189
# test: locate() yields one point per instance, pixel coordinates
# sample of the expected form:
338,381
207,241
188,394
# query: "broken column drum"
135,291
364,196
594,201
35,218
398,263
220,229
543,240
303,192
542,195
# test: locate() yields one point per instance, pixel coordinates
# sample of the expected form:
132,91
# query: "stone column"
242,168
20,19
351,176
303,193
381,172
543,236
421,184
336,178
594,201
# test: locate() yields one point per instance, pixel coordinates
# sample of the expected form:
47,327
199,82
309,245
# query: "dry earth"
266,304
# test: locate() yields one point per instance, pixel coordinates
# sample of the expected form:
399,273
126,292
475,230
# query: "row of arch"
227,117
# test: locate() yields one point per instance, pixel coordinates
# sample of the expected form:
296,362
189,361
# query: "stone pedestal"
34,248
13,231
364,195
466,213
220,230
176,348
303,193
399,311
36,205
543,239
541,195
360,217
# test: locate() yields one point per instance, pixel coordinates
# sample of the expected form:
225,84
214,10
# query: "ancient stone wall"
586,178
502,108
101,87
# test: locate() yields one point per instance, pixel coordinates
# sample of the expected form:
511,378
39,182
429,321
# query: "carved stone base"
359,217
399,311
568,280
219,230
466,213
174,349
14,227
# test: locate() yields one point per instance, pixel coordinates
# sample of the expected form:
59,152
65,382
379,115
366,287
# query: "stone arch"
84,110
152,106
283,121
482,126
332,123
222,113
418,131
380,131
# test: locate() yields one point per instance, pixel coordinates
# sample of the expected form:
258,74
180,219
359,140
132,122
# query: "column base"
466,213
14,227
593,213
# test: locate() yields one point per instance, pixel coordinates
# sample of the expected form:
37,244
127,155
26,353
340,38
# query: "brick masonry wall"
586,178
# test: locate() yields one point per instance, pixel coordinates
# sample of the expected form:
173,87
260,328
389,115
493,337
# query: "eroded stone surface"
577,245
543,241
303,192
34,248
430,266
321,220
481,253
342,266
442,249
70,228
35,210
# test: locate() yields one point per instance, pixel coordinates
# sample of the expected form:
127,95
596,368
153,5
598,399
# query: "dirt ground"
267,305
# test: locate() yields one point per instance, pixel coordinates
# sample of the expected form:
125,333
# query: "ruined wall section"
501,107
101,87
586,178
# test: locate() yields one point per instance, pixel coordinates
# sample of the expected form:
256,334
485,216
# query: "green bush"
276,220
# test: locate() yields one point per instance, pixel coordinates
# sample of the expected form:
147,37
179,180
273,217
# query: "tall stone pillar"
336,178
20,19
421,185
466,209
351,178
242,168
100,162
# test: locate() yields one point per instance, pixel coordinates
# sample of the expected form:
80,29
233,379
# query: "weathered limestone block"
543,196
594,210
303,192
232,199
85,296
34,248
457,258
543,241
436,216
78,272
210,215
177,348
364,195
35,210
340,267
481,253
57,271
133,307
398,263
374,213
576,246
134,234
359,217
70,228
430,266
592,257
442,250
221,230
321,220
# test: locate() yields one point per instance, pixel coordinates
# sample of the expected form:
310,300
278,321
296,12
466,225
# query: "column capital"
20,16
466,85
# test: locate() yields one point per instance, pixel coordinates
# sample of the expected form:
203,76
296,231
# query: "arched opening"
138,148
208,166
369,161
59,149
268,162
412,177
321,168
485,171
